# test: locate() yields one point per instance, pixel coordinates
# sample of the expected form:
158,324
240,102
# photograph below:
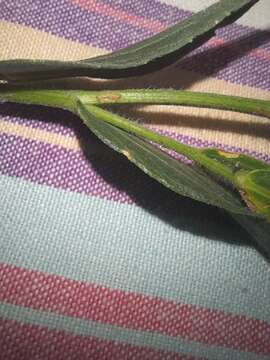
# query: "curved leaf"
145,56
181,178
178,177
259,230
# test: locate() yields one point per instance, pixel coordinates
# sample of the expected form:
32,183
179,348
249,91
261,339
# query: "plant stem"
179,97
67,99
54,98
192,153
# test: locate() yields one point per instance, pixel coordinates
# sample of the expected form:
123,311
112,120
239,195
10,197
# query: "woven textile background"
97,261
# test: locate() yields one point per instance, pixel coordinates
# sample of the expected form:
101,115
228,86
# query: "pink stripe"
25,342
134,311
153,25
255,53
107,10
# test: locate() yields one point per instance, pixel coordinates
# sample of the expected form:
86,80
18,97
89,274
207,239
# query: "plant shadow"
189,120
178,76
207,61
181,213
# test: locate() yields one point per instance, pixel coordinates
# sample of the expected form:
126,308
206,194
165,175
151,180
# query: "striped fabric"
98,261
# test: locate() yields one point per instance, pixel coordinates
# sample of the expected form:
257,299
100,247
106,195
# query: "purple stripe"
70,125
150,9
43,118
189,140
47,14
64,19
169,15
96,171
65,123
235,31
229,62
58,167
60,18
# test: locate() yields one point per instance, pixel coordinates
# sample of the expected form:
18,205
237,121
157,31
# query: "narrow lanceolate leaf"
145,56
251,178
180,178
255,187
259,230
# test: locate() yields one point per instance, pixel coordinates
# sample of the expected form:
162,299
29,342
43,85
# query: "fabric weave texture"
98,261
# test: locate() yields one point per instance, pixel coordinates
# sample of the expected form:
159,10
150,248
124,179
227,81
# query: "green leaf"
219,163
251,178
183,179
145,56
255,188
259,230
180,178
236,161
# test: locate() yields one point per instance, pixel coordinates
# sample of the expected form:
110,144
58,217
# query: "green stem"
179,97
67,99
54,98
188,151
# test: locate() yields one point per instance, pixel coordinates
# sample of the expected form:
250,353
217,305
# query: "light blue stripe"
114,333
125,247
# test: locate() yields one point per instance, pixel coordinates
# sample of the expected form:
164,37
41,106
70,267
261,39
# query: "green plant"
234,182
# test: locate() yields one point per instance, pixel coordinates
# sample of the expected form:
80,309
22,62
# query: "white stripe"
258,16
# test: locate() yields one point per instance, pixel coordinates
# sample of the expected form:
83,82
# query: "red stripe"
152,25
25,342
135,311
